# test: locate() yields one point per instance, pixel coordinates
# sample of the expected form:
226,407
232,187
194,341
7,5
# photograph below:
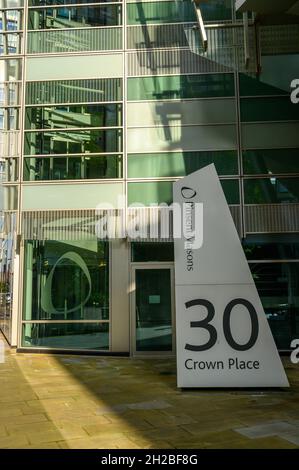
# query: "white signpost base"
223,336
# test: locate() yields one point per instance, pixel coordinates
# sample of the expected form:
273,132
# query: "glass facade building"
102,101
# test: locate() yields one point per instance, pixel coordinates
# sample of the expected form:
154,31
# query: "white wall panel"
159,139
93,66
70,196
176,113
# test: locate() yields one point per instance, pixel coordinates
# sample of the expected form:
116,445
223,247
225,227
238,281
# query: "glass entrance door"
153,310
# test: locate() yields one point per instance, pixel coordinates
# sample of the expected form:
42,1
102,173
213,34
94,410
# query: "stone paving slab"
73,402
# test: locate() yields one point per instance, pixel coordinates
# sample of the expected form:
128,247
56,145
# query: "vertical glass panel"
153,310
66,280
8,230
156,165
271,190
278,285
272,161
181,86
93,336
10,70
9,169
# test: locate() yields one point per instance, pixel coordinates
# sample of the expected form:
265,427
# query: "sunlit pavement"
107,403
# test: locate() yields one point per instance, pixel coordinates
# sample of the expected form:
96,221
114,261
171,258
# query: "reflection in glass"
68,116
175,12
93,336
272,161
64,168
155,165
271,247
271,190
74,17
74,91
68,142
66,280
181,86
153,310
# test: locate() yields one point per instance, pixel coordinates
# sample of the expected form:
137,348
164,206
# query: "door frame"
150,265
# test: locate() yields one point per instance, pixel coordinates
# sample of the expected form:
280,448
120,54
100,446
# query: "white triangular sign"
223,336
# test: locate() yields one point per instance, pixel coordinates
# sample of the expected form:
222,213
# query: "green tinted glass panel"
160,12
74,91
175,12
274,161
277,285
89,141
161,192
74,17
145,251
150,193
93,336
269,109
270,247
76,40
180,164
153,310
65,281
231,191
271,190
65,168
180,86
67,116
250,86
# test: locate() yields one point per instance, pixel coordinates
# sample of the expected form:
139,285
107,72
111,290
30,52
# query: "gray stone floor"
107,402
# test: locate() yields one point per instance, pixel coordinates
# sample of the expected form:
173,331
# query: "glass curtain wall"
82,132
66,295
11,66
184,109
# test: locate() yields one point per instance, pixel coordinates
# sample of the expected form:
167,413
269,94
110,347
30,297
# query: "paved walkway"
96,402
